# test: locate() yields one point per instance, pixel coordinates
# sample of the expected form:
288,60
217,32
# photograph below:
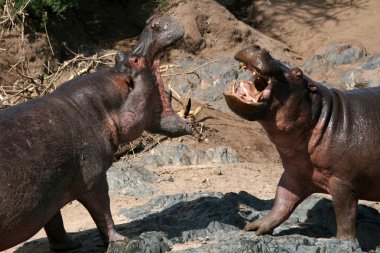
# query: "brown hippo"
328,140
57,148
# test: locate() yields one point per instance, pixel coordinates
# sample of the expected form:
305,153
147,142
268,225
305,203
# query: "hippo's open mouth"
249,98
254,92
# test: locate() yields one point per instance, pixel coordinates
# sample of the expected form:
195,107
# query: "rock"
149,242
354,79
366,75
136,178
181,155
132,179
373,62
334,55
220,155
190,218
344,53
315,65
211,80
171,155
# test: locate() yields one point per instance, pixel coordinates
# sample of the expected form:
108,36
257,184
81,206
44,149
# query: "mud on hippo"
328,140
57,148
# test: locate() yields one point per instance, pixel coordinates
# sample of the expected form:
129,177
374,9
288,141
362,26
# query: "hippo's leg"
97,203
289,194
345,206
56,233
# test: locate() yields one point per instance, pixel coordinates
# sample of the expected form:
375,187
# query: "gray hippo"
57,148
328,139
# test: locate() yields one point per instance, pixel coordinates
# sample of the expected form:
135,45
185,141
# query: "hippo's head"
273,85
147,98
159,33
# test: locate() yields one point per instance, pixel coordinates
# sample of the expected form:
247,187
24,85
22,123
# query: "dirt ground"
305,27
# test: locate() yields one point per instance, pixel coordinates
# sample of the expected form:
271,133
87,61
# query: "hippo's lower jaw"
165,121
249,99
172,126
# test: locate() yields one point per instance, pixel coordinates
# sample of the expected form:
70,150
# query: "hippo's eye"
297,73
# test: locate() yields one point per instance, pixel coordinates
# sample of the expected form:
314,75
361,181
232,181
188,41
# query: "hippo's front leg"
289,194
97,203
57,235
345,206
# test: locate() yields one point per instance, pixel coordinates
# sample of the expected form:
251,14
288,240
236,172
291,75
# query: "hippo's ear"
120,59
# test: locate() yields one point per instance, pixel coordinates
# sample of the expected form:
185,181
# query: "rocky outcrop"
213,222
137,178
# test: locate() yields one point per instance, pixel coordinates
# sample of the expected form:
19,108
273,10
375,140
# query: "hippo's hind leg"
97,203
289,194
56,233
345,205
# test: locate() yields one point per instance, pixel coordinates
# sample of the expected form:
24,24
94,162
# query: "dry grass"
28,87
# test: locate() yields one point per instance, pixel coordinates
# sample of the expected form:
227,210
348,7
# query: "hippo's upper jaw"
159,33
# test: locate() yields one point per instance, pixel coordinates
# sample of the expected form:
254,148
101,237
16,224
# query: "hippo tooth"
245,91
232,87
259,96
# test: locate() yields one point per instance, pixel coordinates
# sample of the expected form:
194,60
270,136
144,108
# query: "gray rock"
171,155
149,242
211,79
132,179
373,62
199,157
186,218
342,54
136,178
334,55
315,64
222,156
182,155
367,75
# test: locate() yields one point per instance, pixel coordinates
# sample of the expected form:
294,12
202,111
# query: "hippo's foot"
262,226
64,244
57,235
115,236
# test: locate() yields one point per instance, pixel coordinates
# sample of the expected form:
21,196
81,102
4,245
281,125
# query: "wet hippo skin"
57,148
328,139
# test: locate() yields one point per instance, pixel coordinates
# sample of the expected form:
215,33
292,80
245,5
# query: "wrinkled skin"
57,148
328,140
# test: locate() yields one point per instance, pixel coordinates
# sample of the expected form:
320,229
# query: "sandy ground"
307,27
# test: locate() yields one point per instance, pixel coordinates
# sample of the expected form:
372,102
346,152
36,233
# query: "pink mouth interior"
252,92
247,92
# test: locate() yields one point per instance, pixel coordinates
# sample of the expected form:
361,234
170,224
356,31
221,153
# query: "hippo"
57,148
328,140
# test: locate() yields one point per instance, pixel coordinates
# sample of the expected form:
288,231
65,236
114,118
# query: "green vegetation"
161,3
36,9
